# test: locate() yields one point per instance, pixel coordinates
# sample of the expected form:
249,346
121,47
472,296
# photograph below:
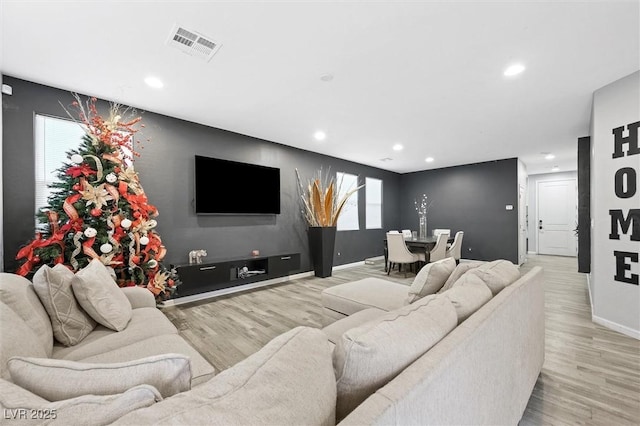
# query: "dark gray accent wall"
166,170
470,198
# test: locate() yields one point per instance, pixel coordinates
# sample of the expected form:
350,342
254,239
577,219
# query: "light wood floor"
591,374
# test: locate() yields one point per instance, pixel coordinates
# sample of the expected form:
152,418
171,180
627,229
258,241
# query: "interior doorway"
557,217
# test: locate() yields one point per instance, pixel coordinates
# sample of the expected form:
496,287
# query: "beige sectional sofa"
457,357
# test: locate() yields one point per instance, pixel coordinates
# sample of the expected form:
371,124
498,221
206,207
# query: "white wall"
616,304
532,229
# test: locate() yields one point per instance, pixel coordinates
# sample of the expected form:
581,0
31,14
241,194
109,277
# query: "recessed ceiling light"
429,159
514,69
326,77
320,135
549,156
555,169
154,82
397,147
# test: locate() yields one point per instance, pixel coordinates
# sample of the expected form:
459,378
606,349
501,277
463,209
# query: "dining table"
418,244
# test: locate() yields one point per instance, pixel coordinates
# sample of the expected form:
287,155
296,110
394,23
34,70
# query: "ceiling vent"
193,43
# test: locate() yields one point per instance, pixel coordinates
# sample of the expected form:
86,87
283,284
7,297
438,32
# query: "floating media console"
205,277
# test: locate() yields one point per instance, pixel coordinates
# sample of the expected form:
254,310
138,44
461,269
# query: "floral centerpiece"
422,209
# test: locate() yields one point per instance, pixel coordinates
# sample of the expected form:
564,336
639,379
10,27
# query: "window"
348,219
53,138
373,209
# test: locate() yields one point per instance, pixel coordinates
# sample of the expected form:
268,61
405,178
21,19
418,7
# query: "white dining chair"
439,231
455,250
439,251
400,254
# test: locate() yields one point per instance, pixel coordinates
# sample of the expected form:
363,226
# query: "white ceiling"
425,74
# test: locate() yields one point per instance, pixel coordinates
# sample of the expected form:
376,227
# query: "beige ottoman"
345,299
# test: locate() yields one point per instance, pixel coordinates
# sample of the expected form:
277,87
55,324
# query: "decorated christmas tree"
98,210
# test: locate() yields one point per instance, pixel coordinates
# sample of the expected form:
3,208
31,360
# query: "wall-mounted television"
231,187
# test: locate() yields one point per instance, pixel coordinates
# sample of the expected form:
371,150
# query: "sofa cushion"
100,296
289,381
467,295
431,278
334,331
497,274
18,294
83,410
16,339
145,323
460,270
57,380
367,357
201,370
69,321
351,297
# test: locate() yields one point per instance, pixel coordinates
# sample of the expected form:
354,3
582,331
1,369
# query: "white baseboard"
616,327
532,252
231,290
348,265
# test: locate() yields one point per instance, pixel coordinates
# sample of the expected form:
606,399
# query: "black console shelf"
226,273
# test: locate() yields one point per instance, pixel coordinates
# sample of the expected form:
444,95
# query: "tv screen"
231,187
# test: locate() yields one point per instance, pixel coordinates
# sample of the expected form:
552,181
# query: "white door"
557,217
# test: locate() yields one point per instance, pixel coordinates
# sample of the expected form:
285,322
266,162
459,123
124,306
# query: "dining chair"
439,231
400,254
455,250
439,251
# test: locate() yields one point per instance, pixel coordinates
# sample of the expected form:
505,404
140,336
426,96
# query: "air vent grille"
193,43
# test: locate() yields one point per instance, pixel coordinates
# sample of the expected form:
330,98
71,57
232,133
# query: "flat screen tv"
231,187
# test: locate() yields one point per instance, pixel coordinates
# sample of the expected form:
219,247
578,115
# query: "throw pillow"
57,379
497,274
87,409
368,357
431,278
289,381
100,296
70,323
467,295
460,270
16,339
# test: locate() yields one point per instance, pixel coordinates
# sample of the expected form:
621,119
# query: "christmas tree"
98,209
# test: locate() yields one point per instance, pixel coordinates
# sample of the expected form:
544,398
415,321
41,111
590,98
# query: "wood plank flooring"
591,375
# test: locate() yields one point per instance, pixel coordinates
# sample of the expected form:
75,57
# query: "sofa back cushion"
467,295
17,293
58,379
69,321
497,274
86,409
431,278
100,296
16,339
460,270
367,357
289,381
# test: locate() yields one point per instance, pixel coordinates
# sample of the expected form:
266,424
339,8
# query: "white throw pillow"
467,295
69,321
369,356
289,381
431,278
100,296
497,274
57,379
